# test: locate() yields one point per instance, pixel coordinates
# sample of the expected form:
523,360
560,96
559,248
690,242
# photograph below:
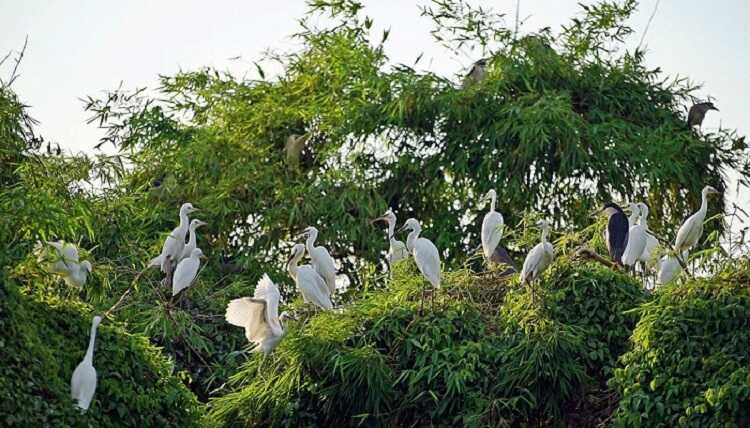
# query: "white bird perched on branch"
539,258
186,271
67,264
492,226
397,249
192,238
309,283
651,241
636,241
690,232
259,316
425,253
321,259
66,252
83,381
174,244
668,268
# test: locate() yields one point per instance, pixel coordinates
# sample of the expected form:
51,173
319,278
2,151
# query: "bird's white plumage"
425,253
259,315
186,271
175,241
83,381
396,249
321,260
651,241
635,246
492,227
309,283
668,268
691,230
78,273
192,238
539,258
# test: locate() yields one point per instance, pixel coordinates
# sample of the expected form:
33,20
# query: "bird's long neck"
492,202
545,233
310,242
391,228
411,239
291,267
704,204
192,239
90,352
633,219
183,222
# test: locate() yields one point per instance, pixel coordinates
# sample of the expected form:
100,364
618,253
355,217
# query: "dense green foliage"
690,362
381,362
43,340
562,122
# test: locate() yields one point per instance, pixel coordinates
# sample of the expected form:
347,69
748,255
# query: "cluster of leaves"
45,338
690,356
384,362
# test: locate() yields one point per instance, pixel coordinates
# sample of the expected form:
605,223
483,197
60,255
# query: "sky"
82,48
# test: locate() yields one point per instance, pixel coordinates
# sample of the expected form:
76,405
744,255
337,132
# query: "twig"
591,254
125,294
648,24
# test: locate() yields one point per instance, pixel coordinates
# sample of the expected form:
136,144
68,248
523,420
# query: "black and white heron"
691,230
697,113
616,233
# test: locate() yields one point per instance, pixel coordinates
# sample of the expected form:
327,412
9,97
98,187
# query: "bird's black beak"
596,213
401,229
714,108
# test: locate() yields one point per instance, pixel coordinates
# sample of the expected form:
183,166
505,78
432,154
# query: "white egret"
175,242
259,316
636,242
635,214
78,273
539,258
651,241
67,264
690,232
425,253
668,268
83,381
186,271
192,238
397,249
309,283
65,253
321,260
492,226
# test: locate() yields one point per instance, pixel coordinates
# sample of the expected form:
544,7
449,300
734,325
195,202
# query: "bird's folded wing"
184,274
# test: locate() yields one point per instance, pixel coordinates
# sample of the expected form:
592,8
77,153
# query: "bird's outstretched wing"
269,293
250,314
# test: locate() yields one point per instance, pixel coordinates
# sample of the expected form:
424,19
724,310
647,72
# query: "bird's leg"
421,305
168,275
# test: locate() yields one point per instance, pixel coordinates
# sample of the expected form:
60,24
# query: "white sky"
82,48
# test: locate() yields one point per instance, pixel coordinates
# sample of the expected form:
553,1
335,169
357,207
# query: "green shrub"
43,340
690,361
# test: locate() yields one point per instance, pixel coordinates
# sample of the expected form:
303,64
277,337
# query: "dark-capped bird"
476,74
616,234
698,112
